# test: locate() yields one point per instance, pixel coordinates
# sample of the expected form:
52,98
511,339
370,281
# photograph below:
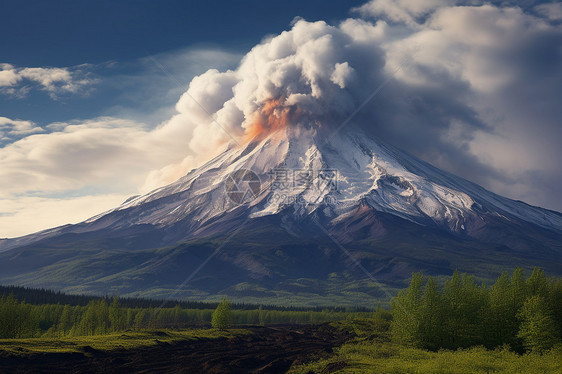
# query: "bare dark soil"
266,350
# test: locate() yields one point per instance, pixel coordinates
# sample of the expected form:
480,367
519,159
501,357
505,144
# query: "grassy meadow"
109,342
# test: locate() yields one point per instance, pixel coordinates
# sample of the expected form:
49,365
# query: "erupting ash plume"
304,75
414,80
273,116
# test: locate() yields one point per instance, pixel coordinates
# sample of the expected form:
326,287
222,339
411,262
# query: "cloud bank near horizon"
473,89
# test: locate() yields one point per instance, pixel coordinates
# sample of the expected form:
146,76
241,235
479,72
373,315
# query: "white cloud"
10,128
410,12
100,158
55,81
105,153
106,156
8,75
505,68
21,216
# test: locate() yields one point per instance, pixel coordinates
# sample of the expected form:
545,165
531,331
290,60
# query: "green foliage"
373,351
381,320
538,328
432,317
261,316
463,312
406,312
363,356
284,302
506,297
16,319
515,312
222,316
22,320
94,321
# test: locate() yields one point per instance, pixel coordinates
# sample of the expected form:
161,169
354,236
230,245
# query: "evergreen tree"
117,319
222,316
16,319
9,328
95,319
66,321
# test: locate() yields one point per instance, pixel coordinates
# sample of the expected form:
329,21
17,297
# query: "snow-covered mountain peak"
312,172
303,170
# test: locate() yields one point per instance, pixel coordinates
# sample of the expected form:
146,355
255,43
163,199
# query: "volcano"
302,214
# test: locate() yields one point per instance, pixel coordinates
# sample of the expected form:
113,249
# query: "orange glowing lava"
273,116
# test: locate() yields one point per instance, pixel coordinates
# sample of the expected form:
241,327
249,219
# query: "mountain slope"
309,198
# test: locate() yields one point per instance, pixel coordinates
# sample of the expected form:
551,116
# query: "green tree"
16,318
261,316
556,302
431,317
405,310
94,320
177,315
466,303
222,316
130,318
117,317
66,321
537,284
141,319
503,324
9,324
538,328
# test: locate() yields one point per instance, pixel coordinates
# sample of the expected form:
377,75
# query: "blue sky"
93,103
114,38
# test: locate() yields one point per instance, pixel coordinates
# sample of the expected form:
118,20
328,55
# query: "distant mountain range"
302,215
